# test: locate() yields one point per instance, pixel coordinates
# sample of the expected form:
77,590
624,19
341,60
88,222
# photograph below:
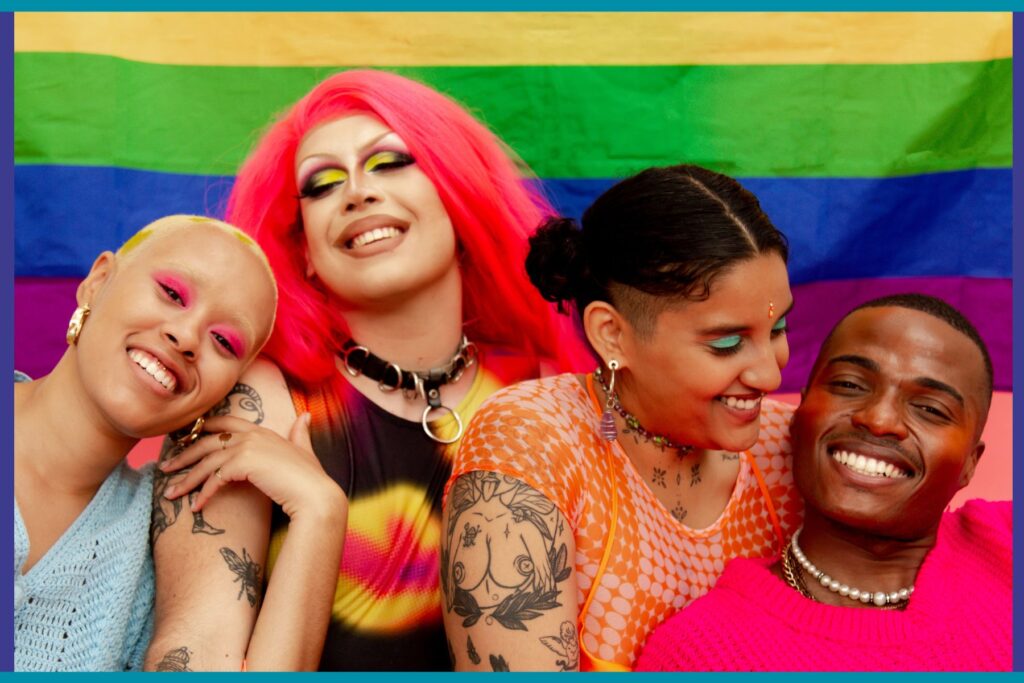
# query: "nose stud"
771,310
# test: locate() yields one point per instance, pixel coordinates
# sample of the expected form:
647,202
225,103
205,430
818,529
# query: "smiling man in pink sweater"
879,578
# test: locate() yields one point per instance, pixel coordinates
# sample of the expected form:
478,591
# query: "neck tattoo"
415,385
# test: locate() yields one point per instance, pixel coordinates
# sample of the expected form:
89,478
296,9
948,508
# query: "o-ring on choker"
359,360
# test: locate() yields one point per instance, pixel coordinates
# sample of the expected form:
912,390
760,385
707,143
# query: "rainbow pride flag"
879,143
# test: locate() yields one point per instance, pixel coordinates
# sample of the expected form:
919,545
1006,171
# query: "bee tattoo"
246,571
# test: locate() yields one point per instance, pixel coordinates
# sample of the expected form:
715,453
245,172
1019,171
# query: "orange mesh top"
546,433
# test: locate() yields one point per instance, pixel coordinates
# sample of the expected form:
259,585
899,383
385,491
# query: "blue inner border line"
7,323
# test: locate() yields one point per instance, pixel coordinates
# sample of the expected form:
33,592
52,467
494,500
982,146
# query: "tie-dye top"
387,606
636,564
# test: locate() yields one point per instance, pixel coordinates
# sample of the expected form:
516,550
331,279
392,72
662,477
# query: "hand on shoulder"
256,436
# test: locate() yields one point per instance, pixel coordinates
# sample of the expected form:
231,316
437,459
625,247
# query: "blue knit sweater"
87,604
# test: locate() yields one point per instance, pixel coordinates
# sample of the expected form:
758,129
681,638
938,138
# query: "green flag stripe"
565,121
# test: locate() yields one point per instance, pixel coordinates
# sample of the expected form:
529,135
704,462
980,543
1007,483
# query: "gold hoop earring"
191,437
77,321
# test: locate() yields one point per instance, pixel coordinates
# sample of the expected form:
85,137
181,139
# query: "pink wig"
492,209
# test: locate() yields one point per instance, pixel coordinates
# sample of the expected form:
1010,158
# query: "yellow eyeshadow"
328,176
381,158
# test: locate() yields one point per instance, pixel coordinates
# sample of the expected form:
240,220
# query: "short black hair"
655,238
935,307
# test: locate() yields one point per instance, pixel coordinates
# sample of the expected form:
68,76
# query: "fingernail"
170,491
308,418
164,465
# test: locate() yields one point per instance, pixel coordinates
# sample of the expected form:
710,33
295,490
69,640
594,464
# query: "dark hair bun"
555,262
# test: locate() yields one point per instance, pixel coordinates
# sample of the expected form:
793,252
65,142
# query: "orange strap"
767,501
595,663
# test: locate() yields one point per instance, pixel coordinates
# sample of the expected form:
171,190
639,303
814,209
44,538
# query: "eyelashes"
387,160
322,181
225,343
726,346
172,293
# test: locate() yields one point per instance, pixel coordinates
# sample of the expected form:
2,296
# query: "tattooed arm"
200,622
210,566
509,587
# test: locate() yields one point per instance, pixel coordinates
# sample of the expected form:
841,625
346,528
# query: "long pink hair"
492,209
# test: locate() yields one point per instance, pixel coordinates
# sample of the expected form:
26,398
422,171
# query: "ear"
967,473
310,270
100,273
608,332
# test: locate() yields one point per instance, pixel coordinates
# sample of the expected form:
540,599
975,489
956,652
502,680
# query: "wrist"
327,506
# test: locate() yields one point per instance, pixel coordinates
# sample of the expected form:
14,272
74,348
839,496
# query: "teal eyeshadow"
781,325
725,342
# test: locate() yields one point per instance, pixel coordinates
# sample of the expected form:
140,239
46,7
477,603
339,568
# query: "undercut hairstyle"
491,206
654,239
935,307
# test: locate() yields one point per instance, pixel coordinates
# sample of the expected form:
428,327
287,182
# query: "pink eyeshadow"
235,339
177,284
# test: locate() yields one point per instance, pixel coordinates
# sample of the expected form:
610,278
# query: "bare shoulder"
261,396
264,374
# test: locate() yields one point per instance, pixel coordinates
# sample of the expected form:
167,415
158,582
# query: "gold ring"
224,438
216,473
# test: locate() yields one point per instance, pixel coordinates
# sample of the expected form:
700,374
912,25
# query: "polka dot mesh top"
547,434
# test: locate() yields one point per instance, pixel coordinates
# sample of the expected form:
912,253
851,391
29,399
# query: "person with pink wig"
396,225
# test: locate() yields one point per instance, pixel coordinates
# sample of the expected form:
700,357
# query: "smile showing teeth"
740,403
375,235
154,368
870,467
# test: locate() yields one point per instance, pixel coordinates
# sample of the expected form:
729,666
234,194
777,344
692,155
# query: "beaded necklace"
794,555
633,425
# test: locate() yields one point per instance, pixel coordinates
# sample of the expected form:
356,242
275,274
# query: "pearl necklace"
879,598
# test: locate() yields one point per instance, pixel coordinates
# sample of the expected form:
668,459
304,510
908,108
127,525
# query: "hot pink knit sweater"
959,618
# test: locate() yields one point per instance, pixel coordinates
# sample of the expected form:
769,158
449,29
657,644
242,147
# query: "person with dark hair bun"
584,510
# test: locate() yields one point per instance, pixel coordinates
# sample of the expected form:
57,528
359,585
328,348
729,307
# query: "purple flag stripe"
42,307
985,301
